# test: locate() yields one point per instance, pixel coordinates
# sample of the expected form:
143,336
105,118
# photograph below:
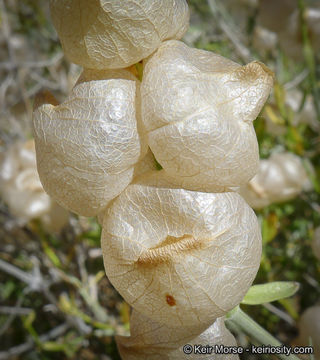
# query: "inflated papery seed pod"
146,165
128,74
21,189
309,327
198,109
280,178
107,34
316,242
181,258
151,341
216,335
87,146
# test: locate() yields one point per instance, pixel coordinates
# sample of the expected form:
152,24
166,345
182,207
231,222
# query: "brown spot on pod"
170,300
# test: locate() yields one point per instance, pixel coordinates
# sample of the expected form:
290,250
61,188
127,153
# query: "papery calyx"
198,108
105,34
180,257
87,146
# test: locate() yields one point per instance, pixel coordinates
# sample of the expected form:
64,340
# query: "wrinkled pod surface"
87,146
179,257
198,110
109,34
152,341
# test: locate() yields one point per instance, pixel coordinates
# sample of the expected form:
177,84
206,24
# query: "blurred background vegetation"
55,301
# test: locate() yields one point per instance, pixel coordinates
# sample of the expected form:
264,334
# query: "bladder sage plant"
179,245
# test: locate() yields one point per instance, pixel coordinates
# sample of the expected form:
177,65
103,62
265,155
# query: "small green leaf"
264,293
51,254
270,227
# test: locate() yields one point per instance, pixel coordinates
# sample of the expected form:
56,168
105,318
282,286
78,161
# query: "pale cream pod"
21,189
316,242
108,34
280,178
309,327
151,341
182,258
146,165
198,109
216,335
87,146
127,74
160,178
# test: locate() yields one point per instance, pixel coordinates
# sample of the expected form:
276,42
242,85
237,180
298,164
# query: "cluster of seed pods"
178,244
21,189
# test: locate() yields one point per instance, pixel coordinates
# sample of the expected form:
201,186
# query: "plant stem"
254,330
224,23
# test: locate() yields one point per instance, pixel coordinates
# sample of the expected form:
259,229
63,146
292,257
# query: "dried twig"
32,281
28,345
32,64
297,80
14,310
281,314
241,49
11,317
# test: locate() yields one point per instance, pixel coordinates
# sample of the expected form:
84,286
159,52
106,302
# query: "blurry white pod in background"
151,341
104,34
273,15
21,189
264,40
198,109
309,327
88,145
306,115
241,12
282,17
316,242
294,99
290,38
181,258
280,178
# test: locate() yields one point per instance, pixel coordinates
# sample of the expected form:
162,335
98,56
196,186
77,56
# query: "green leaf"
270,226
264,293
